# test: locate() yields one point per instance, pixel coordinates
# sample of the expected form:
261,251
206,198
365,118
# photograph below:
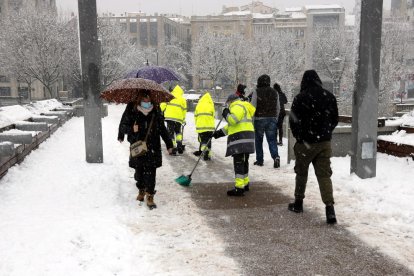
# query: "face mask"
146,105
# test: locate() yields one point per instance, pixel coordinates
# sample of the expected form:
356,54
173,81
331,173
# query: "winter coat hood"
310,79
263,81
178,92
206,99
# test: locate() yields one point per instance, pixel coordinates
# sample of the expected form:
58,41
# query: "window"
4,79
133,27
5,91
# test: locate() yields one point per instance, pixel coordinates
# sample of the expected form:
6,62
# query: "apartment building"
153,31
13,91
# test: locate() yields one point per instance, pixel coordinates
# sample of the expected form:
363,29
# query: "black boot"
235,192
276,164
247,187
197,152
257,163
296,206
330,214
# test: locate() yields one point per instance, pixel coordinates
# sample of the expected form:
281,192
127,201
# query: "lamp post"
336,74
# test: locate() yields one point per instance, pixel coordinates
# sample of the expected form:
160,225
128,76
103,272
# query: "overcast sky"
190,7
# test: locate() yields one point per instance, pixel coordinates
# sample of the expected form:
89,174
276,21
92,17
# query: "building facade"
12,90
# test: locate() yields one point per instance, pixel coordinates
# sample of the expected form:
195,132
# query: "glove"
218,134
225,112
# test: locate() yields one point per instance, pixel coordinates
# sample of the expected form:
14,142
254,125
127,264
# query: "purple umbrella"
156,73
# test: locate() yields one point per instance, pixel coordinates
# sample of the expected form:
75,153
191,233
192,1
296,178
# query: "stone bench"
6,149
62,115
46,119
31,126
22,137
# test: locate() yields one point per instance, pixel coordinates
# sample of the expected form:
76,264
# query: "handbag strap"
149,129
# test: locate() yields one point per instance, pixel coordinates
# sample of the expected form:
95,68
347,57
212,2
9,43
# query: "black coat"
153,157
282,101
314,111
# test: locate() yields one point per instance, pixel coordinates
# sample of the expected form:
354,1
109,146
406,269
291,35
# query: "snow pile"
43,106
10,114
399,137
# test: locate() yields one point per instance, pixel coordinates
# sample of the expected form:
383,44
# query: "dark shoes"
174,151
330,214
276,163
280,143
235,192
296,206
247,188
197,152
257,163
206,158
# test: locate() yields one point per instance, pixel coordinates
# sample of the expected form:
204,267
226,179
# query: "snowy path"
60,215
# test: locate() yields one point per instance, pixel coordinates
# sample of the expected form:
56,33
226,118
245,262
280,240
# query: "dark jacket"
282,101
153,157
314,111
266,98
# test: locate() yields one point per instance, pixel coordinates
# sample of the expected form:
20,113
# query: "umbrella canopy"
156,73
126,90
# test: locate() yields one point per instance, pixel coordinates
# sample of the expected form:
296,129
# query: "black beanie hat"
263,81
240,88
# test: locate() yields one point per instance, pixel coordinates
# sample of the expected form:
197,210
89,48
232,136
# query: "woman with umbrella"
142,121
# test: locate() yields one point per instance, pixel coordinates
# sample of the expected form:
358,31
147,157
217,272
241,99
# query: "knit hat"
240,89
231,98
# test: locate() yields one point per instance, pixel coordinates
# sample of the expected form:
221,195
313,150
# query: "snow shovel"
185,180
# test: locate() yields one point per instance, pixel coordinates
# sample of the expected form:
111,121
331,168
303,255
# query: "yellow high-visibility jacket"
240,129
176,109
204,114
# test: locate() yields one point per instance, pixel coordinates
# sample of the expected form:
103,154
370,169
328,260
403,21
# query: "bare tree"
176,56
209,58
118,54
36,45
394,42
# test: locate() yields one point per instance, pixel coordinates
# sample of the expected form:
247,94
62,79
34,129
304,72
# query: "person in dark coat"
282,113
135,123
313,117
266,101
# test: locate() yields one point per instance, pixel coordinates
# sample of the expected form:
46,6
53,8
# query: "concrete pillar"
90,57
365,100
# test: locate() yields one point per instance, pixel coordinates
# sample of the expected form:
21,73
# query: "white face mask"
146,105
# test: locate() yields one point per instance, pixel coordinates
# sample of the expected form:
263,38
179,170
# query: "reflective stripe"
240,176
177,105
239,183
246,121
204,114
234,118
173,119
241,141
204,128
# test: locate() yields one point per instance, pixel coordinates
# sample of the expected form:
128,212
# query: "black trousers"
174,131
241,165
145,177
203,138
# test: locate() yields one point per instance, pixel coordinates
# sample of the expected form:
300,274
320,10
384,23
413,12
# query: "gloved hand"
225,112
218,134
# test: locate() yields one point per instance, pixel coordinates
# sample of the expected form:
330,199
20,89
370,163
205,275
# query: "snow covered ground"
60,215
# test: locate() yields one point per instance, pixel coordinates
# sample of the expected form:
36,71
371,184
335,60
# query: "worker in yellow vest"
240,141
205,124
174,114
